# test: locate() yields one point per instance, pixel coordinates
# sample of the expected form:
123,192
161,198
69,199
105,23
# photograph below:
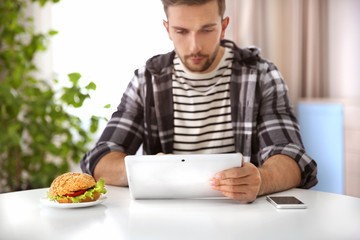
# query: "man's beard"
199,68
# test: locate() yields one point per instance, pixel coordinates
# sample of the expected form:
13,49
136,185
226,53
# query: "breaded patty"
70,183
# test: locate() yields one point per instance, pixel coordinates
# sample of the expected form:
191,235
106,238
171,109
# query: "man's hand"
240,183
278,173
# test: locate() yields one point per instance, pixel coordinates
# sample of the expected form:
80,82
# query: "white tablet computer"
176,176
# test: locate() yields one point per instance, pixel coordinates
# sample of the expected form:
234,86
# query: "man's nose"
195,45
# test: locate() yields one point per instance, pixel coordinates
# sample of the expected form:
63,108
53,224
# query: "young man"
207,96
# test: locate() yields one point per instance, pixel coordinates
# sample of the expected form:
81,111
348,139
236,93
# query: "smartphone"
289,202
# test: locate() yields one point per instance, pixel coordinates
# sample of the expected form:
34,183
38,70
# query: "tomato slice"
77,193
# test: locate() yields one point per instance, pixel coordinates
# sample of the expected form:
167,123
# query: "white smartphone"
289,202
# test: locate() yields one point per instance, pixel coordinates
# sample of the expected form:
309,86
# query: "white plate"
46,202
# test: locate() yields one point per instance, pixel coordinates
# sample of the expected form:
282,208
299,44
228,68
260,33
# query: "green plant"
38,137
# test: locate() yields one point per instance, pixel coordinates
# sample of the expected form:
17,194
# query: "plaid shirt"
264,123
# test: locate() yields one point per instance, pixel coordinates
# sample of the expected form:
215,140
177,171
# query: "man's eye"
182,32
208,30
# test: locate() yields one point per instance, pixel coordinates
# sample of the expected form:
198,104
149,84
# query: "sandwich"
75,188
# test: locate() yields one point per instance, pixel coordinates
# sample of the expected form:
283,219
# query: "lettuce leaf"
99,187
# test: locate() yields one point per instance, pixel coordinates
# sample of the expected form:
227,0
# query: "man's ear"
166,25
224,24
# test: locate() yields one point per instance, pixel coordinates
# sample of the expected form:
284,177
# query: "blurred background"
314,43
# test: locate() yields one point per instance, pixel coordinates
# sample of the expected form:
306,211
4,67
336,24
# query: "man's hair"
168,3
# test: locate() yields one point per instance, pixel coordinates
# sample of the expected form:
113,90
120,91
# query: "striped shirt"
202,112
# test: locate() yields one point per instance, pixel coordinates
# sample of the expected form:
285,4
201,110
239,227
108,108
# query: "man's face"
196,32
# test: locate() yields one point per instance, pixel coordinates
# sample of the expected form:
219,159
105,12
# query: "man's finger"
232,188
233,181
242,192
242,197
236,172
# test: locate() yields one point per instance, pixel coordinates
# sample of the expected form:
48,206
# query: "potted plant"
38,136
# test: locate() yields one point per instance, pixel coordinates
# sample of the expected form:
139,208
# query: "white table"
328,216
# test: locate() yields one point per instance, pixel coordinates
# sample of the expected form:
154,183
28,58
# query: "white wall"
344,48
106,41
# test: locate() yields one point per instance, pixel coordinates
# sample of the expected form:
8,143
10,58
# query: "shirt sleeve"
278,129
124,131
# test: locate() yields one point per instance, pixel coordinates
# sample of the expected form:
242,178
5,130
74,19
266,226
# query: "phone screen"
286,202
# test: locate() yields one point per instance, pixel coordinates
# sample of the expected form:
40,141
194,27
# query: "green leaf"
107,106
91,86
94,124
53,32
42,2
74,78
